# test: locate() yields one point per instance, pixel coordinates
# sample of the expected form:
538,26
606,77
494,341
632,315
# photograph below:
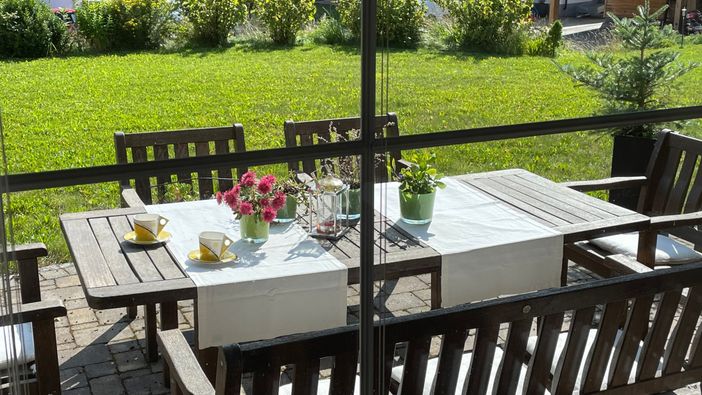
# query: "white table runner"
287,285
487,248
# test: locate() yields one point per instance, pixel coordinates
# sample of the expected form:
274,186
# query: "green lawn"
61,113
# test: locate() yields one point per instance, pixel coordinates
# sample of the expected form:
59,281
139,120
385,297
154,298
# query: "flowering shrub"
28,29
125,24
284,18
489,25
253,196
399,21
212,20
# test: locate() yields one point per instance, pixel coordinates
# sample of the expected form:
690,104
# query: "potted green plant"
418,184
294,195
638,80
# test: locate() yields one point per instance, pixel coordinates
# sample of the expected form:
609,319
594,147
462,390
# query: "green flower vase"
253,229
289,212
417,209
353,204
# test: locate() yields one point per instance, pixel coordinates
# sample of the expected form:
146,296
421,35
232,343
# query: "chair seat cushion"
668,251
22,338
433,364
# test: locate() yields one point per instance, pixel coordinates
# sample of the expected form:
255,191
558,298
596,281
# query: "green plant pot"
417,209
253,229
353,204
289,212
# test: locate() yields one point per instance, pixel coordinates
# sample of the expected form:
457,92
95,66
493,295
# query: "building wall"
625,8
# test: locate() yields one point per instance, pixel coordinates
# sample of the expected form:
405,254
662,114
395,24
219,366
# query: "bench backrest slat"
180,144
318,132
674,183
565,376
608,326
539,372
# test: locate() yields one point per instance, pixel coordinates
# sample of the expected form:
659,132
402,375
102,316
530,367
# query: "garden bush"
546,42
284,18
28,29
125,24
212,20
399,21
489,25
329,31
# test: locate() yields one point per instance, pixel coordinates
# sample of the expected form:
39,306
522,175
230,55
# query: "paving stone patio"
103,352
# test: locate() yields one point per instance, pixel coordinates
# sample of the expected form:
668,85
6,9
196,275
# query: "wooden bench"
671,194
607,343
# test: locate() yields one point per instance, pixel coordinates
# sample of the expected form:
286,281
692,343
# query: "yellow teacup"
148,226
213,245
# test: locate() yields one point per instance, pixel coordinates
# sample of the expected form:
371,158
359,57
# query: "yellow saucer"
194,256
162,238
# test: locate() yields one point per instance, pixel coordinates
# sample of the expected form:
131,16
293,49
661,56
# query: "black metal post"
368,37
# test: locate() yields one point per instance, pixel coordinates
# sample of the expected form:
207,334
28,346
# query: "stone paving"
103,352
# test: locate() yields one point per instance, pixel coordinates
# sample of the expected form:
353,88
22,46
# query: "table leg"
169,320
150,328
131,312
208,361
564,270
436,290
647,248
206,356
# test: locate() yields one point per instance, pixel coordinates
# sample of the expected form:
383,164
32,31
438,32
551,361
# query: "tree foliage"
640,80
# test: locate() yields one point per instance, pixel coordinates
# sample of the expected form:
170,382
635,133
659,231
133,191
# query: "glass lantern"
326,208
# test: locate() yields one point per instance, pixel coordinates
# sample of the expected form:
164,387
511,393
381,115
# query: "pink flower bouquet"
255,202
253,196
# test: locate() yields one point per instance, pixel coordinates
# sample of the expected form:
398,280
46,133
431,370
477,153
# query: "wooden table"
576,215
115,273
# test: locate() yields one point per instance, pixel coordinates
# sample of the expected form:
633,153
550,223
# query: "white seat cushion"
433,363
322,388
23,339
668,251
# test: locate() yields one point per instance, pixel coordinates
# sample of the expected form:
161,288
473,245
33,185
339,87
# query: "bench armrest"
27,251
130,198
623,265
606,183
184,369
36,311
676,221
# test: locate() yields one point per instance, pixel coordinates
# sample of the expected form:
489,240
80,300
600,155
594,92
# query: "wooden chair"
32,326
608,345
671,194
318,132
177,144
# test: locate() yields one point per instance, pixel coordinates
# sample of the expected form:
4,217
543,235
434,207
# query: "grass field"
61,113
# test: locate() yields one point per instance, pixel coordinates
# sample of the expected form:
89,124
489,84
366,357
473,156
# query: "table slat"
137,256
502,193
162,259
563,200
112,252
526,195
574,195
85,249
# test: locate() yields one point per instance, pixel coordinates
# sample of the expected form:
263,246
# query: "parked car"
68,15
